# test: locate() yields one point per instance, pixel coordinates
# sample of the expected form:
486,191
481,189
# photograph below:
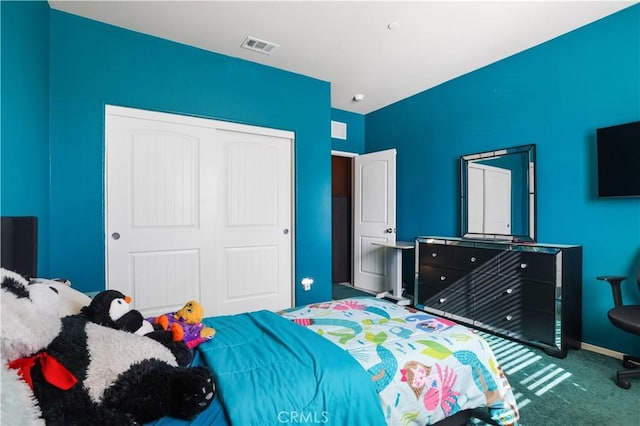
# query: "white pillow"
71,300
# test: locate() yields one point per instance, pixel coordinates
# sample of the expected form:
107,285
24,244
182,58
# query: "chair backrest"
19,249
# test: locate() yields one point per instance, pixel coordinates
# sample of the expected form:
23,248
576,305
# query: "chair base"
632,364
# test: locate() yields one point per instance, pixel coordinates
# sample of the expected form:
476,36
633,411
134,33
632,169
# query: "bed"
356,361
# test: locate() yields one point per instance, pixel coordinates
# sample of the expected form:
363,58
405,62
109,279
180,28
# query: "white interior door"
197,209
374,217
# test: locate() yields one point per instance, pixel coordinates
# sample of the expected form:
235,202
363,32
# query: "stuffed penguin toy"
82,373
112,309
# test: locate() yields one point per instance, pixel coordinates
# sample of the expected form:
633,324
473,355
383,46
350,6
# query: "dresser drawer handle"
473,259
523,266
442,278
442,299
508,317
508,291
434,254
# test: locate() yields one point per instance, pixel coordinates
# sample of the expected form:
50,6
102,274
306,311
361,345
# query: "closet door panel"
197,209
254,260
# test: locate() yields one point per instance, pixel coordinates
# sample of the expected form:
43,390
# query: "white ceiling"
349,44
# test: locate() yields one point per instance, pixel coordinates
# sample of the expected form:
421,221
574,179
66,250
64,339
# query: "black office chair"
627,318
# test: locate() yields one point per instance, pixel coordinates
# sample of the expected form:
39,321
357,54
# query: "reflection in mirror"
498,194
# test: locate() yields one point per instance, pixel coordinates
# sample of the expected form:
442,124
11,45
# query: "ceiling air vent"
258,45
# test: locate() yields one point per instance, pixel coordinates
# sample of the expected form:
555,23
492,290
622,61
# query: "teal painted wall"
555,95
93,64
24,154
355,131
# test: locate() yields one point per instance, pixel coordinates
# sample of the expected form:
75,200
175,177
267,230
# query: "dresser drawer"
441,278
522,324
499,303
538,296
447,302
515,293
528,265
435,254
505,320
475,259
538,327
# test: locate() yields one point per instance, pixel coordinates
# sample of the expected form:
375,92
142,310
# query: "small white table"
394,266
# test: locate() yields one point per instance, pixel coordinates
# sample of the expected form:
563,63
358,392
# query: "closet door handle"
115,236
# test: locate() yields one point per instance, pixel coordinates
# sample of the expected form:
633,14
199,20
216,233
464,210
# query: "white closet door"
475,202
180,196
497,189
489,203
253,258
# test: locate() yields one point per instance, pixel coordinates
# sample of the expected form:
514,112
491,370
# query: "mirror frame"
529,234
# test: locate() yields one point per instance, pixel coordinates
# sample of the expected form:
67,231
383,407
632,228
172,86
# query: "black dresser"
527,292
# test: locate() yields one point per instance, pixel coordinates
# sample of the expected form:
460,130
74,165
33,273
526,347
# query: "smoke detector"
258,45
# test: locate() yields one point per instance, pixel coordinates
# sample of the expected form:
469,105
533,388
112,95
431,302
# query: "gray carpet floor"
577,390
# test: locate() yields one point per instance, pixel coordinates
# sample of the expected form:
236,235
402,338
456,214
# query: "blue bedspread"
271,371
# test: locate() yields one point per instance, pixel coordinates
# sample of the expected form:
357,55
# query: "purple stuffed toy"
186,324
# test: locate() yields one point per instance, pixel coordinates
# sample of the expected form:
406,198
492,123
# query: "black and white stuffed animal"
111,308
18,405
82,373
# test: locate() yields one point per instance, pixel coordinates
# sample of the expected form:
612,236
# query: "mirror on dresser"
498,197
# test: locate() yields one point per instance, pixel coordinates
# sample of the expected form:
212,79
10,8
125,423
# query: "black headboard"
19,250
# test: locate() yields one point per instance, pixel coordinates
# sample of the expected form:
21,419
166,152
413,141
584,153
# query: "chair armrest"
611,278
615,281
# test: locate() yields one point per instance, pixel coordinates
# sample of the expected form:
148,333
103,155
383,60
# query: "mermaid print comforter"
424,367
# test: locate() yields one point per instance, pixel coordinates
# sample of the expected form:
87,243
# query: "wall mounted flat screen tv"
619,160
